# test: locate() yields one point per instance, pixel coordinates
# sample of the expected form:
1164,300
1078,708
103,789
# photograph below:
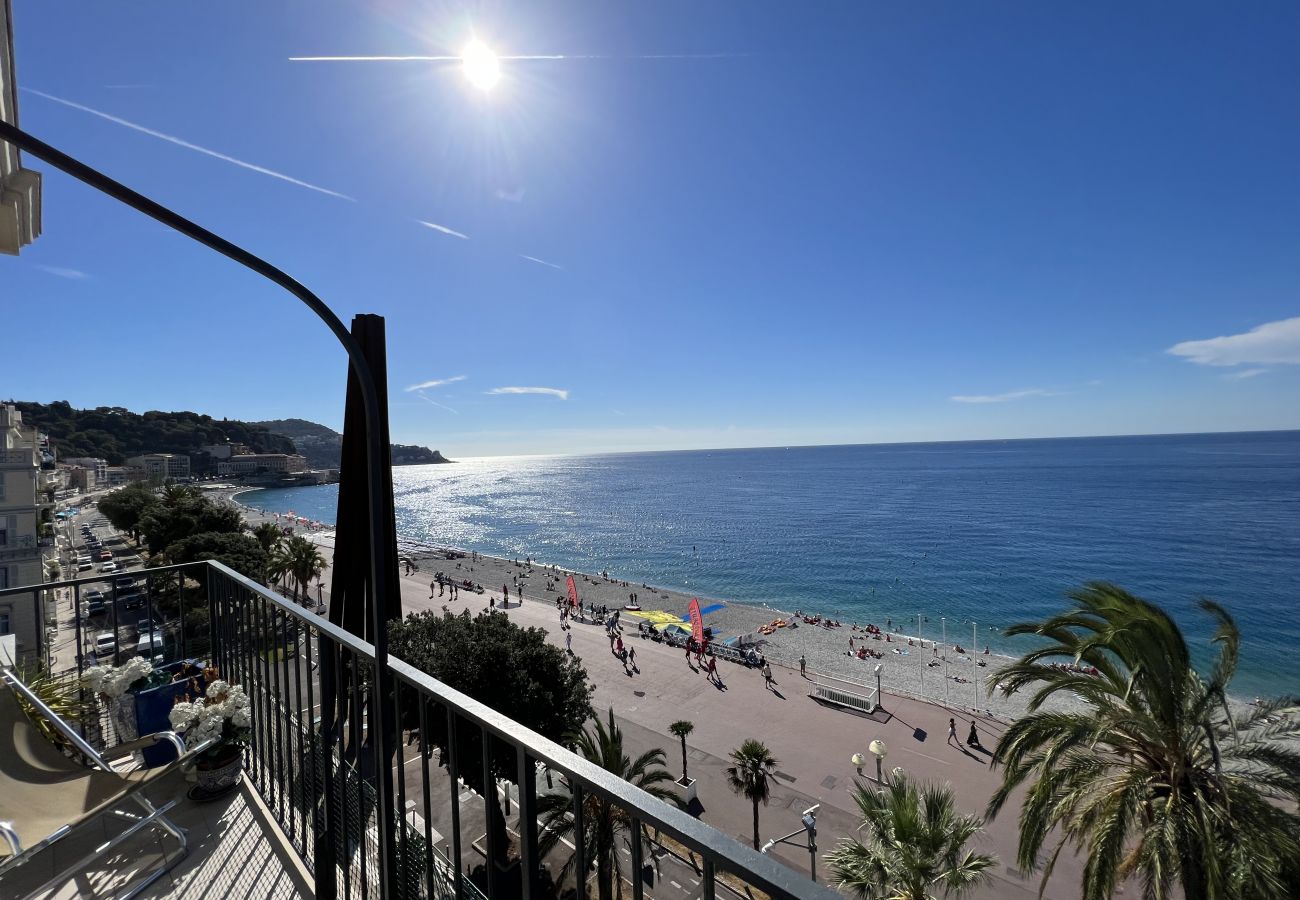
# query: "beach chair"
46,796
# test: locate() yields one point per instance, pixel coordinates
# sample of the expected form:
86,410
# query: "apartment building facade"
23,496
161,466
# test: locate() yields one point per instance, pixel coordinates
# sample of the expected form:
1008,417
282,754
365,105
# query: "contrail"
172,139
540,261
436,403
443,228
523,56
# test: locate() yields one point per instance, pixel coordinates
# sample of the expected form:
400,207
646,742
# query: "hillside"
114,433
323,446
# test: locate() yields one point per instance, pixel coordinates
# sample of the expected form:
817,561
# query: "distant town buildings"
94,463
25,501
161,466
252,463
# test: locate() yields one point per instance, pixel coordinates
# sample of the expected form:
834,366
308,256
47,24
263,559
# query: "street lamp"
879,666
809,830
878,749
858,761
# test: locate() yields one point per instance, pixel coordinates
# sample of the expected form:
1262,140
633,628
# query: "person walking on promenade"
713,670
803,666
631,657
431,587
568,642
952,730
767,677
973,739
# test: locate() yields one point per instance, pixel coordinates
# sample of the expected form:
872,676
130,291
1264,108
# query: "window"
4,618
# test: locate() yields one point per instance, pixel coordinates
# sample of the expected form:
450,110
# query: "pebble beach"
924,670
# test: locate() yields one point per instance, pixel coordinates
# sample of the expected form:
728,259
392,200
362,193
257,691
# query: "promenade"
813,742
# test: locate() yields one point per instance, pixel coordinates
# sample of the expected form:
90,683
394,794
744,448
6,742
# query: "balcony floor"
235,852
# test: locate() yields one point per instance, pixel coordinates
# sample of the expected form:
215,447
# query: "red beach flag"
573,592
697,621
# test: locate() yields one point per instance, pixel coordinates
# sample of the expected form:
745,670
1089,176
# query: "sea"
968,536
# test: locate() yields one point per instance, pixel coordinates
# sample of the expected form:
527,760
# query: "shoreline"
912,671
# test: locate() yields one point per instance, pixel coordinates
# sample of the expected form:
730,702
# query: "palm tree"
269,535
604,822
682,730
299,559
750,774
916,843
1159,778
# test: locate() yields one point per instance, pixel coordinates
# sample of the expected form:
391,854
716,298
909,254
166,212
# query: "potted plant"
681,730
115,686
223,716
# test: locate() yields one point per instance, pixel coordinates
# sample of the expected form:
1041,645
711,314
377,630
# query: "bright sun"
481,66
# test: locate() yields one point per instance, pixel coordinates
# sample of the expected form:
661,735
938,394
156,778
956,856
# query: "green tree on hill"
1160,779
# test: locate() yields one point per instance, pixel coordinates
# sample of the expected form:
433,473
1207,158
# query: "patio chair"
45,796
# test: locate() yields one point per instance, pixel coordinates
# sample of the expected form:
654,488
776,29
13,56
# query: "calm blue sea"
984,532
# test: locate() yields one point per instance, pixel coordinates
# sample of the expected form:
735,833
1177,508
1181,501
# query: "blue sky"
713,224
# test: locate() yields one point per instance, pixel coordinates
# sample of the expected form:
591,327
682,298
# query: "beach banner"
697,620
573,592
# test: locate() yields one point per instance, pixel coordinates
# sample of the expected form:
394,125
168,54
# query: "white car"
108,567
105,645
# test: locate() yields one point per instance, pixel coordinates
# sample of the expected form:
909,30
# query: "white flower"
241,719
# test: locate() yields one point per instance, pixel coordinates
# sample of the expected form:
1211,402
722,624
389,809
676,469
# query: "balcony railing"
313,760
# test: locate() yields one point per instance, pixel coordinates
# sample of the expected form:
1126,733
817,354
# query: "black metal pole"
379,561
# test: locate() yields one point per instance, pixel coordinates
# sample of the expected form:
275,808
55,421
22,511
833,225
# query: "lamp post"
809,830
943,624
878,749
879,666
858,761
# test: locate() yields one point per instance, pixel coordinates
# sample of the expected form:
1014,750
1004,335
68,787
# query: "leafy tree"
239,551
504,666
182,511
1159,778
125,507
299,559
750,775
604,822
682,730
915,847
268,535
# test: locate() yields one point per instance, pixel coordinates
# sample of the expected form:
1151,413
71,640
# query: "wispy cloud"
73,274
552,392
540,262
515,196
444,229
436,382
1273,343
1002,398
1241,374
179,142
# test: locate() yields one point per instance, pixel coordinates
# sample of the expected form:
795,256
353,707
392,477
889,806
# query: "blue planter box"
153,706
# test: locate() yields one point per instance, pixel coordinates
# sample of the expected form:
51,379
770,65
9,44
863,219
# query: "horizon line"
1056,437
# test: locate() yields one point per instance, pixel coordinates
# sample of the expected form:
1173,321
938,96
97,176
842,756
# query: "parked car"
84,565
94,594
123,582
96,607
105,555
105,645
108,567
132,600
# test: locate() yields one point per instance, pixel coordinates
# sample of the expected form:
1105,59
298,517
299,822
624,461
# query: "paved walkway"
813,742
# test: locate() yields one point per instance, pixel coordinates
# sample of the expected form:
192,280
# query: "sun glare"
481,66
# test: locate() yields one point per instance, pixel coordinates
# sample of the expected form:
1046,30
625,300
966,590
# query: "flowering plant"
111,682
223,715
